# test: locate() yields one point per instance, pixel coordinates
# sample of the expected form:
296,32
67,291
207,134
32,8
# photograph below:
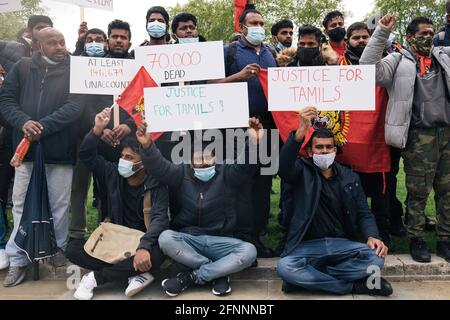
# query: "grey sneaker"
59,259
15,276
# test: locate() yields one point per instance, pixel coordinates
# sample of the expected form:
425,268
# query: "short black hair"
96,31
282,24
413,26
310,29
321,133
330,16
246,12
357,26
158,9
33,21
182,17
130,142
119,24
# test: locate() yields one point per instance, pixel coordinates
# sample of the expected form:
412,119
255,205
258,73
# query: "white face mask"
324,161
49,61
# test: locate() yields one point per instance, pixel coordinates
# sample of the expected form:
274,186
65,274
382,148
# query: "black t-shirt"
133,205
328,221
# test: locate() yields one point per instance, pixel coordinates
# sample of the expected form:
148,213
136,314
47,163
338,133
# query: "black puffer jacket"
202,208
11,52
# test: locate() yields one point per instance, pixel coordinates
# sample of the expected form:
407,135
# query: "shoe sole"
422,260
135,291
443,257
167,292
80,298
221,294
6,266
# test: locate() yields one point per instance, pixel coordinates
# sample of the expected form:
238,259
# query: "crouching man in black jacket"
202,224
126,183
330,216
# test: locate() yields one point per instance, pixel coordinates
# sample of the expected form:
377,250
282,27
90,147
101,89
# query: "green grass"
274,236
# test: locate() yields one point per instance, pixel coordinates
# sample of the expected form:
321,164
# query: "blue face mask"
187,40
125,168
95,49
281,46
255,35
156,29
205,174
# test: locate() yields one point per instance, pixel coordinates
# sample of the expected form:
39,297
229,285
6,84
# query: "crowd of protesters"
208,217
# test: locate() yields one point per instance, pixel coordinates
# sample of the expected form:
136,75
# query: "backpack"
231,57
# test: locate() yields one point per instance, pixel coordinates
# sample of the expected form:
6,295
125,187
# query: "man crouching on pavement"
330,216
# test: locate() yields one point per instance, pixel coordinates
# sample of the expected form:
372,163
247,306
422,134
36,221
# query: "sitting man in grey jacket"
418,121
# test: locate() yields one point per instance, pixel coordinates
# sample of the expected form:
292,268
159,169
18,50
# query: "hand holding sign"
388,21
143,137
255,130
250,71
101,121
305,116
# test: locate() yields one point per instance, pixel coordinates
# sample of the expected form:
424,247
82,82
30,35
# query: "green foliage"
12,22
215,17
406,10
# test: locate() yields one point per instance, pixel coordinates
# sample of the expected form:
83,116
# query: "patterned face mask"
422,45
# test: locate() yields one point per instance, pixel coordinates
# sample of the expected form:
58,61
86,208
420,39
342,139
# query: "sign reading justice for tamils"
211,106
104,76
183,62
327,88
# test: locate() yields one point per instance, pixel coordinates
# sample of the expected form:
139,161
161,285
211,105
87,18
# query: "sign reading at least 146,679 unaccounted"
326,88
104,76
200,107
183,62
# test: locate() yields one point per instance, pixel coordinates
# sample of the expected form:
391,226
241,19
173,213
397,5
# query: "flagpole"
81,14
116,115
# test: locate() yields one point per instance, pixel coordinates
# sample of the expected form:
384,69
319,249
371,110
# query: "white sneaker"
86,287
138,283
4,260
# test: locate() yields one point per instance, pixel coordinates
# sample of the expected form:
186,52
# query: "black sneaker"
174,286
419,251
443,249
360,287
221,286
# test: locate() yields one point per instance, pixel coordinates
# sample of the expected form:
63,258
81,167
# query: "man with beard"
282,34
334,28
418,121
374,174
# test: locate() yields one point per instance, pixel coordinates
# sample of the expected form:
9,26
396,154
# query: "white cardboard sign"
327,88
104,76
183,62
97,4
10,5
210,106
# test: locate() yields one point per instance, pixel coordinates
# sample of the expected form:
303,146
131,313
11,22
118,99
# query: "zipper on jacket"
41,89
200,201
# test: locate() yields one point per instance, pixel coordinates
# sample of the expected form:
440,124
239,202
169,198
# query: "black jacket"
11,52
202,208
304,176
43,96
107,173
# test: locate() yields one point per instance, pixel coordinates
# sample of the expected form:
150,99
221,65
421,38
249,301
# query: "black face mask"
337,34
309,56
358,51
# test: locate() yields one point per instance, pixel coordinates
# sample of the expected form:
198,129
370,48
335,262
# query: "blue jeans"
2,229
210,257
328,264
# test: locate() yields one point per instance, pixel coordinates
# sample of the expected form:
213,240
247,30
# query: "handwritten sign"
97,4
10,5
212,106
106,76
183,62
327,88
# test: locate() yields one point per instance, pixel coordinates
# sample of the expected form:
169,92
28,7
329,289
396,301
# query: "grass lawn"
274,234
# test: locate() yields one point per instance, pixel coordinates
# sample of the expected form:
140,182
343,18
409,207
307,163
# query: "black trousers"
377,188
105,272
6,171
